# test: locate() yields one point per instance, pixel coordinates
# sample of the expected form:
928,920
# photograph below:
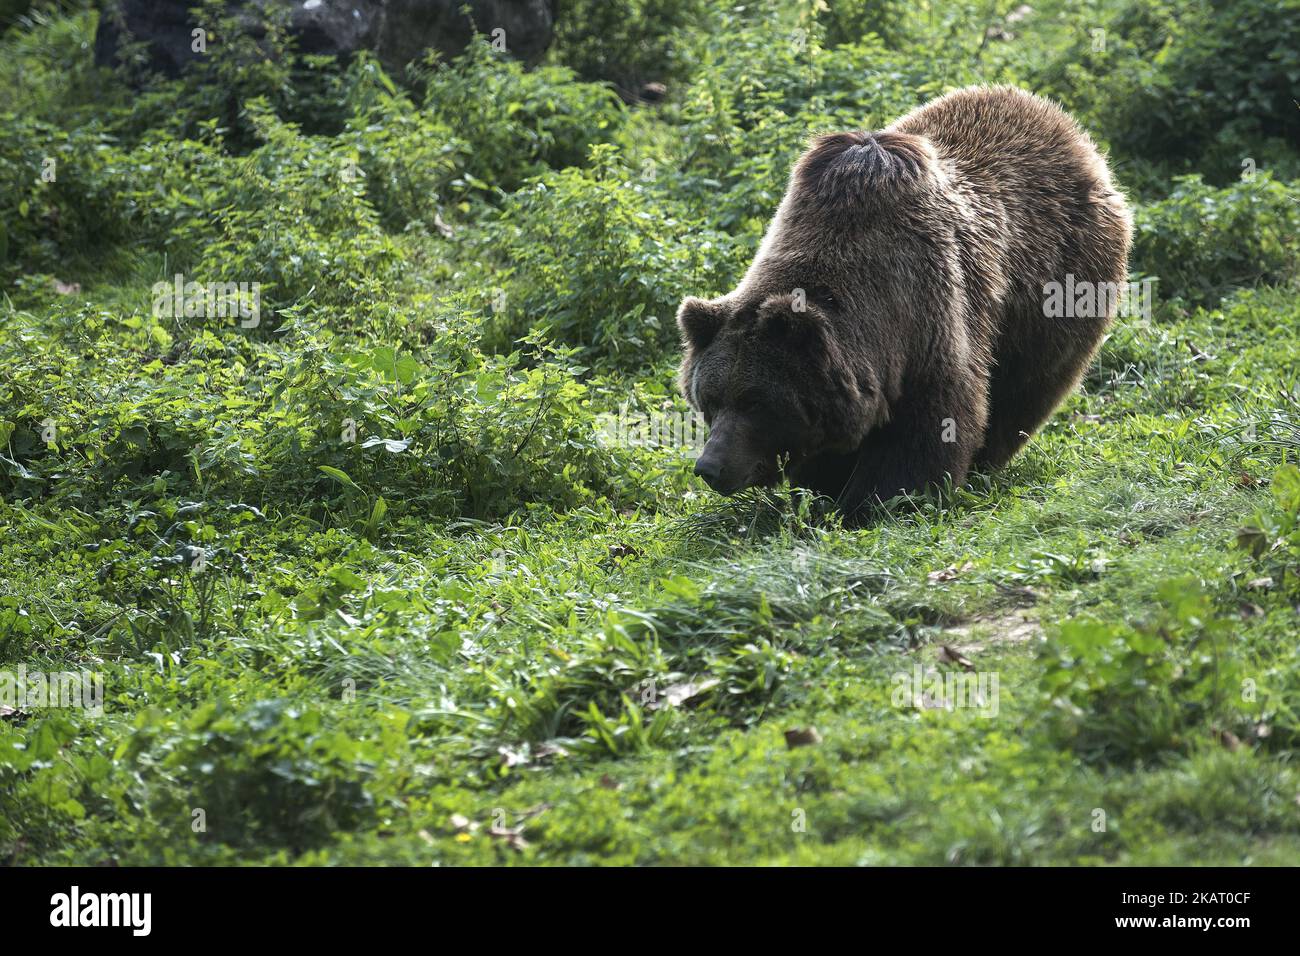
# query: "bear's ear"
791,318
699,321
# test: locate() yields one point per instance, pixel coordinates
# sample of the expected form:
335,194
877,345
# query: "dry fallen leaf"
1229,740
513,758
609,783
542,751
803,737
1260,584
513,837
950,572
677,694
67,288
950,655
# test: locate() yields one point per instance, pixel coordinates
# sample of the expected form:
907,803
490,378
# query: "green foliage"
58,193
599,259
850,20
1235,85
1200,85
46,70
516,122
628,42
413,164
251,56
1123,691
271,774
456,431
11,10
288,215
1203,241
1272,538
376,579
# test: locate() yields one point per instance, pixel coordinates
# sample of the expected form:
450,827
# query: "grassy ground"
486,638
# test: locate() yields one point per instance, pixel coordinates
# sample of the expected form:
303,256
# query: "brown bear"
892,329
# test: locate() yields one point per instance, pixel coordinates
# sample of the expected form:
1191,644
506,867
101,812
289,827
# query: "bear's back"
1032,177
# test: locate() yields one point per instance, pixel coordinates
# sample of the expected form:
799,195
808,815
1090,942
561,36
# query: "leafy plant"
1203,241
1124,692
1272,537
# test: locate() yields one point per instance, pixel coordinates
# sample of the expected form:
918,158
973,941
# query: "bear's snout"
729,460
710,470
720,469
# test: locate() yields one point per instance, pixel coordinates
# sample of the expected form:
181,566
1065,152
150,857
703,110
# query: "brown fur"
923,251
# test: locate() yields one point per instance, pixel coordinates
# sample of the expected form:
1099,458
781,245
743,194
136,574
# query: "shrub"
288,215
848,21
627,42
447,430
1122,692
516,122
1201,85
1203,241
591,255
453,431
761,97
1216,79
414,165
59,192
273,772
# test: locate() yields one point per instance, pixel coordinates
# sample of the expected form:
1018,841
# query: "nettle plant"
261,773
414,166
452,430
286,216
1202,241
1120,692
179,574
597,257
516,122
59,193
1272,537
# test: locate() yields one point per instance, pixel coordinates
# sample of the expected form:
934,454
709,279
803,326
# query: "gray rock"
397,31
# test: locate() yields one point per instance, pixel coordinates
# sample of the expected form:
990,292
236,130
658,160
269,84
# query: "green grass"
488,638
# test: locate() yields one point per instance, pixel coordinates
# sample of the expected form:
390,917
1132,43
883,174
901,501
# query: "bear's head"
770,379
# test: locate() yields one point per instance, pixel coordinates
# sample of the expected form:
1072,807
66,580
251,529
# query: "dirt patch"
1014,627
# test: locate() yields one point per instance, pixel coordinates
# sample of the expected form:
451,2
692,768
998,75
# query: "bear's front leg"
932,436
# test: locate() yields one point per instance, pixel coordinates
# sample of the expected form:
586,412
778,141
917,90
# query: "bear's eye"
823,296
